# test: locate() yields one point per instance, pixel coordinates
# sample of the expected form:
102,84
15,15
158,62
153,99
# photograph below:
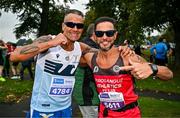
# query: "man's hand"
58,40
138,70
126,51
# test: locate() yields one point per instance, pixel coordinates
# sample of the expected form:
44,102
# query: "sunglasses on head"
72,25
109,33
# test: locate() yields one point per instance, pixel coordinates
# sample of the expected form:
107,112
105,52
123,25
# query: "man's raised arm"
39,45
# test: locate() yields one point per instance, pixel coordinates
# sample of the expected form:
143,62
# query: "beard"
106,49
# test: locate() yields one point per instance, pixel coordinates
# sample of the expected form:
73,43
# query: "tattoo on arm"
89,50
29,49
43,39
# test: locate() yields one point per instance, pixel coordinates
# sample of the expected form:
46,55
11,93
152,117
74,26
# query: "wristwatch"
154,69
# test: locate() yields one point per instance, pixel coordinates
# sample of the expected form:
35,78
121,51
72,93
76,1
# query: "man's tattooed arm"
34,47
28,51
89,50
43,39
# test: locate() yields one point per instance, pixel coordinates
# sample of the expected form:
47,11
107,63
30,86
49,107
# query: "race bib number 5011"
112,100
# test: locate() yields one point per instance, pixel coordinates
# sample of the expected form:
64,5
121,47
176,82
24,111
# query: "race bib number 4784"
60,91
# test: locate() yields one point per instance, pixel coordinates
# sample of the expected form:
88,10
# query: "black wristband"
154,69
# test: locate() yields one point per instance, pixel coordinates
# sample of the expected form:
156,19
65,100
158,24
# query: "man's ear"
94,37
116,35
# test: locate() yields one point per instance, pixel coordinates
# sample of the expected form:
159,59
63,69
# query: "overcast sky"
9,20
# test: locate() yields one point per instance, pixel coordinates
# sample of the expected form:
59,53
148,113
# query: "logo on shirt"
96,69
59,68
57,56
116,68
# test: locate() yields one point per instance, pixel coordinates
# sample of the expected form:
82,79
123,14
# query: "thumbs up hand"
137,69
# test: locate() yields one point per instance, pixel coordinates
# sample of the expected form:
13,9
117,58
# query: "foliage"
35,16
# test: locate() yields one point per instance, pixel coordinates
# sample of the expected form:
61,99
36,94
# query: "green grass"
14,90
151,107
172,85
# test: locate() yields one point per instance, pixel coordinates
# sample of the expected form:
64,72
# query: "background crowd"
13,70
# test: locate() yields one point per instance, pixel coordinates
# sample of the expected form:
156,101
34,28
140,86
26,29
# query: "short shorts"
66,113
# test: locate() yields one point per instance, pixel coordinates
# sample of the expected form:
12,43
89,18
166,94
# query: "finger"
134,75
125,51
120,48
131,62
126,68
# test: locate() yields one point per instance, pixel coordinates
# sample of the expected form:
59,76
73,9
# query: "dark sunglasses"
109,33
72,25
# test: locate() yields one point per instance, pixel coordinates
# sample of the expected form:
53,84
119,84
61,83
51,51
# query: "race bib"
112,100
61,86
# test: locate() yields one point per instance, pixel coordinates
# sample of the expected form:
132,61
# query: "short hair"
1,43
90,30
161,39
74,11
104,19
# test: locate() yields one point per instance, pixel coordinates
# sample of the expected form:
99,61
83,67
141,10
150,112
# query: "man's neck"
69,46
108,52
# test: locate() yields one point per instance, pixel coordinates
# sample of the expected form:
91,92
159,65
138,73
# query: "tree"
35,16
160,14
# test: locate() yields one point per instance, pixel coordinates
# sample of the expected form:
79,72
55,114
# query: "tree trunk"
176,27
43,30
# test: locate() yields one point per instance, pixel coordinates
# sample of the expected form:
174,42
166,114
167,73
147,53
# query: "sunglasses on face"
72,25
109,33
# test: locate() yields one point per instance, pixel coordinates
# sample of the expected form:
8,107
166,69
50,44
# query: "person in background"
114,73
3,47
27,64
87,90
152,55
14,65
169,51
137,49
160,52
8,65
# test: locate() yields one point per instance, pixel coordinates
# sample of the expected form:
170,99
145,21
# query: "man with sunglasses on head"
56,62
114,73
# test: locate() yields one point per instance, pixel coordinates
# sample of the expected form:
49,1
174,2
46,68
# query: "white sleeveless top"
54,78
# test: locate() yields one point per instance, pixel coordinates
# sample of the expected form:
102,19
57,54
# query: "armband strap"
154,68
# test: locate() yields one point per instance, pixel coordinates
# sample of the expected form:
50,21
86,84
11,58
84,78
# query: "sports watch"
154,69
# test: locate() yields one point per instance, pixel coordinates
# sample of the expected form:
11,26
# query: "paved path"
14,110
159,95
19,110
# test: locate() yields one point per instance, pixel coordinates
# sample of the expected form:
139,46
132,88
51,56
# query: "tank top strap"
93,62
